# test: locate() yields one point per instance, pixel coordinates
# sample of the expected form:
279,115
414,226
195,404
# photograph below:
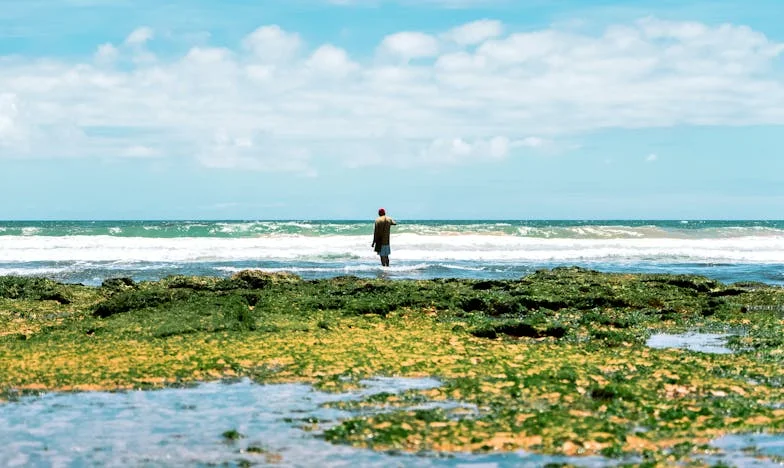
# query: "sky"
434,109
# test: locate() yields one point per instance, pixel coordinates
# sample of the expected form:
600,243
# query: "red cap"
382,211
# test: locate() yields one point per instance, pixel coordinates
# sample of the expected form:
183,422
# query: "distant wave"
309,229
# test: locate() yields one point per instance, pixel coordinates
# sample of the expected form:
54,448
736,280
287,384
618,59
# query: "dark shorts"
385,251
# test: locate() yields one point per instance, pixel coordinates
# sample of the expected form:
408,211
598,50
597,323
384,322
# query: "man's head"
382,212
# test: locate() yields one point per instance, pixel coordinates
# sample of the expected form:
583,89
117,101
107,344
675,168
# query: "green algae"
553,363
232,435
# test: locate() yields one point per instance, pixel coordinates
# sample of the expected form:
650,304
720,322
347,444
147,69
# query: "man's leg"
385,261
382,260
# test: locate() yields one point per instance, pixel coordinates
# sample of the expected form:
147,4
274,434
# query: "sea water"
90,251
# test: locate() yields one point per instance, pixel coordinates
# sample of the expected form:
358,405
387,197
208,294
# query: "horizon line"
370,218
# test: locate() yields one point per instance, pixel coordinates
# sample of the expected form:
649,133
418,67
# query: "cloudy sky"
328,109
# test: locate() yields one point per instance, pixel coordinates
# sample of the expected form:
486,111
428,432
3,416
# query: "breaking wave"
475,248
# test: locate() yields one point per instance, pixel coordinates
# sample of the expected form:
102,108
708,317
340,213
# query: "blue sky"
316,109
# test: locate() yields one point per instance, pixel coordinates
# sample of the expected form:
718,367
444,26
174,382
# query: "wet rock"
751,285
372,288
201,283
493,305
695,283
135,300
611,392
34,289
535,303
118,284
518,329
729,292
490,284
713,305
232,435
57,296
473,304
257,279
370,306
668,313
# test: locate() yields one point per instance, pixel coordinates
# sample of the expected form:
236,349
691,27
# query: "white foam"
460,267
30,231
40,271
410,247
348,269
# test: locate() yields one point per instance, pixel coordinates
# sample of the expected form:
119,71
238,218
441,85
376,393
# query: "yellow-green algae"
555,362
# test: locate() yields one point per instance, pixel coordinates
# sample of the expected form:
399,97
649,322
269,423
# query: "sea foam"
406,246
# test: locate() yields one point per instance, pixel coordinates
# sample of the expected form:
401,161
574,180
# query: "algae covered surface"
553,363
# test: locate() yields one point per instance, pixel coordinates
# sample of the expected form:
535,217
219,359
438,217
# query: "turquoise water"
90,251
533,228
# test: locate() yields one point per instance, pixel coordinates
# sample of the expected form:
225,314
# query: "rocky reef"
555,362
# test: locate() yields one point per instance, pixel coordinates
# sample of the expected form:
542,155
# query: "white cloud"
8,116
140,151
411,153
525,47
458,149
106,53
533,142
332,61
273,44
207,55
246,150
475,32
409,45
274,103
139,36
651,158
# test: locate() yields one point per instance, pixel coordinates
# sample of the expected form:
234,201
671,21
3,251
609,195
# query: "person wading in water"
381,236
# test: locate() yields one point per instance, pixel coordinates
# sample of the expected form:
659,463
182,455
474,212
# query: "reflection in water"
750,449
702,342
185,426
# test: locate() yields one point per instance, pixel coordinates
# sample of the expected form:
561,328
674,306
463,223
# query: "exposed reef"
555,362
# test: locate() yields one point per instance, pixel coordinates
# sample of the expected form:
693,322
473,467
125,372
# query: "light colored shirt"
381,231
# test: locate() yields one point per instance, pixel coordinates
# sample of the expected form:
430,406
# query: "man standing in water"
381,236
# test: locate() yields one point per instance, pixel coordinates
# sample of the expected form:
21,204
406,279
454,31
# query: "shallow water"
714,343
743,450
184,427
91,251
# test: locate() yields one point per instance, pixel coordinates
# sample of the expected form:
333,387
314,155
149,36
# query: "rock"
34,289
257,279
118,284
125,301
200,283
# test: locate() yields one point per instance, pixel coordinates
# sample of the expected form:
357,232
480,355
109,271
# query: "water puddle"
750,450
714,343
185,426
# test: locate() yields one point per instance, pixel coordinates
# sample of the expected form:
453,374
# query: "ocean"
90,251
